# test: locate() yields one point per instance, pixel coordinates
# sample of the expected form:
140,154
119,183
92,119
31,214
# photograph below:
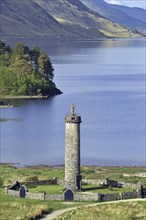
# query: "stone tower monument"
72,150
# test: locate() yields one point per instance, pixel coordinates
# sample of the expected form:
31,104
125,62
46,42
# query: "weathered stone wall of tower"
72,151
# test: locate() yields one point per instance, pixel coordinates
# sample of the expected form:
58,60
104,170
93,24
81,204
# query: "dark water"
106,82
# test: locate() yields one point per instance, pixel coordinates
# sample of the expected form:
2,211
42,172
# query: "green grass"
13,208
115,173
58,189
10,174
49,189
61,20
118,211
104,189
17,208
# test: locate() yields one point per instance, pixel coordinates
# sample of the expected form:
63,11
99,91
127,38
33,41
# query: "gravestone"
68,195
22,191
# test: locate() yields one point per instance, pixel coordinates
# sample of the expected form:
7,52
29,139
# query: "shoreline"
24,97
4,105
35,166
5,37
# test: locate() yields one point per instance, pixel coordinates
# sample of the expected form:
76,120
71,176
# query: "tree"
21,65
5,59
34,55
4,48
25,72
8,82
20,49
45,66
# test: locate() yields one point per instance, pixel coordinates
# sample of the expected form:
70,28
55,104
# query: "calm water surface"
106,82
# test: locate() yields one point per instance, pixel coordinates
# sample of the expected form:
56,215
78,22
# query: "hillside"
138,13
119,211
73,12
133,18
18,18
57,19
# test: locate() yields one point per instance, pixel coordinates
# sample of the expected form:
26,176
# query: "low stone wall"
12,192
60,182
54,197
41,182
97,182
109,197
45,197
97,197
40,196
91,181
130,185
87,197
130,195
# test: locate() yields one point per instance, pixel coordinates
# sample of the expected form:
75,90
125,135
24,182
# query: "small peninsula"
25,73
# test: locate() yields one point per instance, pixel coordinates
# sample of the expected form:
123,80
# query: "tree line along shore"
25,73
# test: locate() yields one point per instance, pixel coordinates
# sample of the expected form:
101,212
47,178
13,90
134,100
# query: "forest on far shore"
25,72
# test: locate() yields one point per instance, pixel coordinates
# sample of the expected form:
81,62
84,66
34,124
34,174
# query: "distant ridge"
134,18
59,19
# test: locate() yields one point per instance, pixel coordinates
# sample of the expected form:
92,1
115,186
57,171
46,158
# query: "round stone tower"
72,150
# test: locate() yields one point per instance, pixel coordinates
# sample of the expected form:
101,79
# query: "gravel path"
55,214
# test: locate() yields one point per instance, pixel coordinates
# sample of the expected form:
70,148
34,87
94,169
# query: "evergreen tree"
45,66
20,49
21,65
25,72
34,55
2,47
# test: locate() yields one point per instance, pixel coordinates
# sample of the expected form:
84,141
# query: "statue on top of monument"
73,109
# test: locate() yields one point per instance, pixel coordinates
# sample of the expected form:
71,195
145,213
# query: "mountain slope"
57,19
137,13
126,16
71,12
19,18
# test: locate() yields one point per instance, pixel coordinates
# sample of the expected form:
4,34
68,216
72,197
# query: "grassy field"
58,189
104,189
118,211
10,174
15,208
121,174
12,208
49,189
25,209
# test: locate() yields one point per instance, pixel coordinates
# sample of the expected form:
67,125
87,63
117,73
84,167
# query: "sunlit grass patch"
20,209
64,21
104,189
118,211
48,189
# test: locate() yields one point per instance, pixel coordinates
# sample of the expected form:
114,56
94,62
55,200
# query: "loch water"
106,82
